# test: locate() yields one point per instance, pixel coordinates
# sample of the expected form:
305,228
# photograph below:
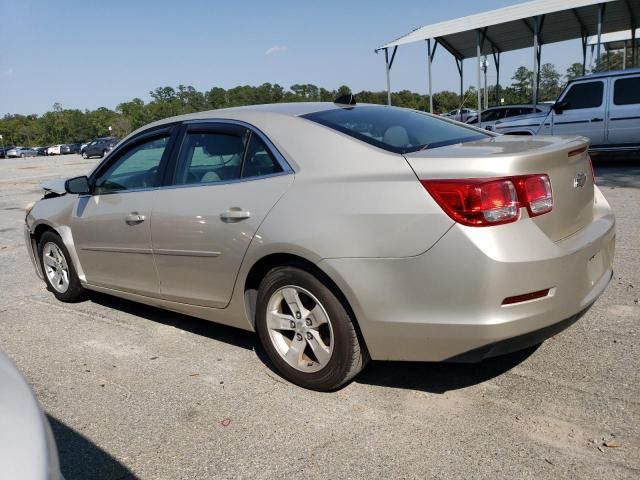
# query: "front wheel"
84,155
57,267
104,154
306,331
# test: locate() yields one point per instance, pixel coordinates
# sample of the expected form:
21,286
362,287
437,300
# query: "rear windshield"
394,129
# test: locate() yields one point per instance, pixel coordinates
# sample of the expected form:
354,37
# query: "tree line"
61,125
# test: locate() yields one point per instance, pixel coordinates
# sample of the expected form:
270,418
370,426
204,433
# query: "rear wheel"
22,155
57,267
306,331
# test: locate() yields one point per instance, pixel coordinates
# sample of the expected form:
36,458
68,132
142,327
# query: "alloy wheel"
55,267
300,329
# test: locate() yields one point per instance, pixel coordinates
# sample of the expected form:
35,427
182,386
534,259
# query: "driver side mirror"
78,185
559,107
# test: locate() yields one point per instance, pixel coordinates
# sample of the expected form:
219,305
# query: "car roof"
248,112
609,73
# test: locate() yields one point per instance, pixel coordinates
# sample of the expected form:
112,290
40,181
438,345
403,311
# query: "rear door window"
626,91
211,156
394,129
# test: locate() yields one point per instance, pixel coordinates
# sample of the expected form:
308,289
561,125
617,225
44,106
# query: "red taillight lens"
535,192
476,202
480,202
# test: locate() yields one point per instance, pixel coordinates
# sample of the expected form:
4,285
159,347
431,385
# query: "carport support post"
479,84
429,69
600,15
386,63
536,67
633,47
496,60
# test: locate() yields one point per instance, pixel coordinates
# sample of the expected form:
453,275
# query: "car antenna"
347,99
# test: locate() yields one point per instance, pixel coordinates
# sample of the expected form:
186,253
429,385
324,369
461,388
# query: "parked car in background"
4,150
491,115
74,147
55,150
232,216
100,147
65,149
21,152
42,150
27,446
605,107
460,114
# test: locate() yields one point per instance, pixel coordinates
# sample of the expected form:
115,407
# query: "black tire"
22,155
75,290
349,355
84,155
104,153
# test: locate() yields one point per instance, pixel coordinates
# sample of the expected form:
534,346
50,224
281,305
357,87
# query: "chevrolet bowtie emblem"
579,180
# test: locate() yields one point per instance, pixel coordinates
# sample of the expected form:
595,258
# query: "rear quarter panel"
349,199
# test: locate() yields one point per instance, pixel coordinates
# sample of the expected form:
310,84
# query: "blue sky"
89,53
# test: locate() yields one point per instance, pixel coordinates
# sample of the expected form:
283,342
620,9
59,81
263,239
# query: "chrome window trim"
190,185
286,168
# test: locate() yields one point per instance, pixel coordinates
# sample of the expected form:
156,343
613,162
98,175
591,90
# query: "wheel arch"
266,263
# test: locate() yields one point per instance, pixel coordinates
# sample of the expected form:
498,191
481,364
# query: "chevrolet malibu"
339,232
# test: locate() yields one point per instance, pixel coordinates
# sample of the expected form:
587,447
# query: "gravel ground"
136,392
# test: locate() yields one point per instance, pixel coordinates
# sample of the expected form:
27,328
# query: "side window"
626,91
259,161
136,168
584,95
209,157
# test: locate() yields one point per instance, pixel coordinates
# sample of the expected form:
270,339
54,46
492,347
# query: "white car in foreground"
27,447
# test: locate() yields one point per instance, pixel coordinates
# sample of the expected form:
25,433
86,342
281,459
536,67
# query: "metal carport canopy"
530,24
511,28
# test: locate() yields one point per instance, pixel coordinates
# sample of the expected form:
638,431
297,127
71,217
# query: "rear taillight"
535,193
480,202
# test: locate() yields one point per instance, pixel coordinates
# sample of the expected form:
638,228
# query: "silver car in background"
27,447
21,152
604,107
339,232
494,114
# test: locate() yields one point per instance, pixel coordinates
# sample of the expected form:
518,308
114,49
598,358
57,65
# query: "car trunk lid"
565,160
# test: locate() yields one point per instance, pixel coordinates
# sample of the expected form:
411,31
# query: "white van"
603,106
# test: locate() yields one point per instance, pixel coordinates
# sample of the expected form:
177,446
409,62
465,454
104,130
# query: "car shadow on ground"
215,331
434,377
440,377
81,459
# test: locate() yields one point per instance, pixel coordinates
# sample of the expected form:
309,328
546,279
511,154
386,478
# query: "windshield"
397,130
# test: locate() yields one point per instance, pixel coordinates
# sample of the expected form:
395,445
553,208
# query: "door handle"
594,120
134,218
234,214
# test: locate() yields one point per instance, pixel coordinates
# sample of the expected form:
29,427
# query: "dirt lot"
135,392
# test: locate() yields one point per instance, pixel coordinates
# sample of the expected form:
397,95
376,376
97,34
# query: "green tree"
522,84
574,71
549,82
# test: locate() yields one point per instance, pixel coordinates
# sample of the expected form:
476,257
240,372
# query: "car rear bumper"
447,304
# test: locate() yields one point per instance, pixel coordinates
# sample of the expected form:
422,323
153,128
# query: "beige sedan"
339,232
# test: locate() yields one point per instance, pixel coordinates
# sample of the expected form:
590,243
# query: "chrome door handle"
234,214
134,218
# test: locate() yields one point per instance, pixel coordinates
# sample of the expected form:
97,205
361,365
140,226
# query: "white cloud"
276,50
